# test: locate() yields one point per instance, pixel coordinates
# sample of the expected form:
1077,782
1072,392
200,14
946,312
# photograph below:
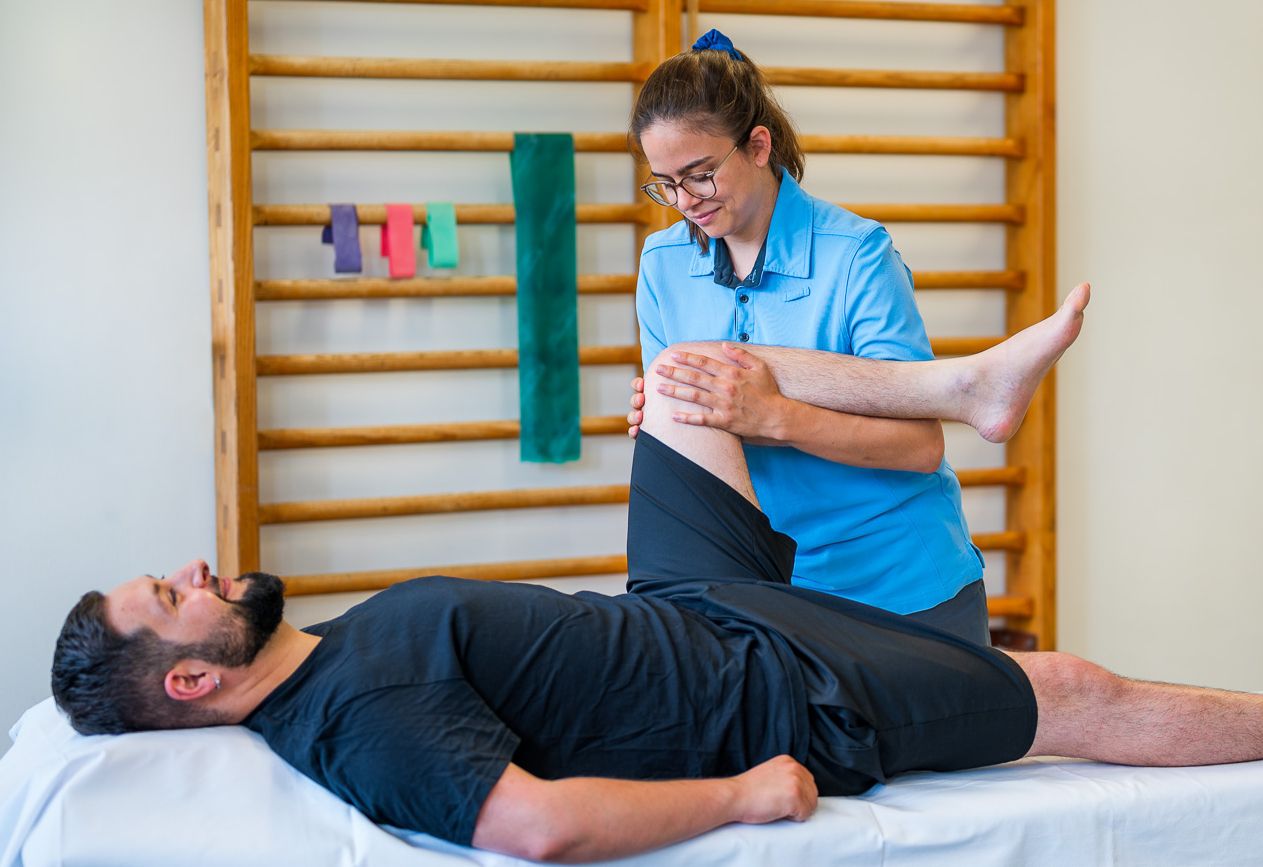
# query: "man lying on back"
559,727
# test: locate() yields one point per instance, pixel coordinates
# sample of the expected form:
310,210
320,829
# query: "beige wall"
105,453
1161,205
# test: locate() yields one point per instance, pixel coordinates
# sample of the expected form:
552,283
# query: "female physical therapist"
874,507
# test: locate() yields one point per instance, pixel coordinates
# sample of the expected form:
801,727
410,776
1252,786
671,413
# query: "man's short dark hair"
110,683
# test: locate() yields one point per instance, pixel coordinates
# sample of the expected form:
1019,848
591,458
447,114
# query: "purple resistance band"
344,233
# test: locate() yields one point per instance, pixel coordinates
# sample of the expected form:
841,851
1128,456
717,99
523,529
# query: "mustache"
253,580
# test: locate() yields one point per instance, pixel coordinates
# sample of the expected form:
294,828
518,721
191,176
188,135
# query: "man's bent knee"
1058,678
658,407
709,348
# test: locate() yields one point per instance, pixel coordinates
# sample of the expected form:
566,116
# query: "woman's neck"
744,244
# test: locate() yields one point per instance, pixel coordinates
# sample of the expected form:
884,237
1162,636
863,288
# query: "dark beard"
253,621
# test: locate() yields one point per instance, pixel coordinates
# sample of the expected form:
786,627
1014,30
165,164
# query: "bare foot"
1006,375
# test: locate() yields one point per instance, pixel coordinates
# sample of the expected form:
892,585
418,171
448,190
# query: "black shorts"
884,693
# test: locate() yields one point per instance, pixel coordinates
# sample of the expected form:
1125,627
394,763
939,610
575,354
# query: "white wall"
105,411
105,453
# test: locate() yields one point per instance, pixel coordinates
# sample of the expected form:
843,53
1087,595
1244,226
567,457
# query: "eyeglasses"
700,186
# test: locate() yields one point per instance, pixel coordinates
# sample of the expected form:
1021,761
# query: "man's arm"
915,445
741,392
591,819
989,391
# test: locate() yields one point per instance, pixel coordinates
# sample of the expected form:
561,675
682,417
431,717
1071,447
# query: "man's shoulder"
408,598
400,638
412,592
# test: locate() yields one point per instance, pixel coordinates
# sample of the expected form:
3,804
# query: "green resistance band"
547,296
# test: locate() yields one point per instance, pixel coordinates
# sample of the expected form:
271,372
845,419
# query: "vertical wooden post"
655,37
1030,115
232,285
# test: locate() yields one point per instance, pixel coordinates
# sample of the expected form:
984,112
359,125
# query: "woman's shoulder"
675,235
828,218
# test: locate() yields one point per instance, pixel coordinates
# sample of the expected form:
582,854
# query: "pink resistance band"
397,241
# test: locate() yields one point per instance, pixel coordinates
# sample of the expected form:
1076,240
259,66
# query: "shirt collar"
724,276
788,242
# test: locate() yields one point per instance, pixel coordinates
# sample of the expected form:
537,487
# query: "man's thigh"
686,524
888,694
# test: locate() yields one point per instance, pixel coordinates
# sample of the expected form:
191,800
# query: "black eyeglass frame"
674,186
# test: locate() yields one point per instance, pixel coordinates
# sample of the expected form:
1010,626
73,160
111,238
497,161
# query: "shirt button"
743,298
743,337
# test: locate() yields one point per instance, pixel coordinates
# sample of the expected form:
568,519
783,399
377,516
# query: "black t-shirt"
404,713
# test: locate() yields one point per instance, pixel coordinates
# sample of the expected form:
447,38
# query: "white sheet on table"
220,796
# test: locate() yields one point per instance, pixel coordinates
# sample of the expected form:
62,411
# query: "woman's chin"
710,222
711,228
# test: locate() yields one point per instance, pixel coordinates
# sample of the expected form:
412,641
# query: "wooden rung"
436,504
527,570
967,13
318,215
569,70
1014,280
455,359
805,76
907,144
632,5
521,498
1009,540
521,570
409,140
606,142
1010,606
992,477
445,70
425,287
959,12
589,284
483,359
887,213
942,346
468,431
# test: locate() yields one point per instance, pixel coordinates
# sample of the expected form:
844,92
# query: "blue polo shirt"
830,280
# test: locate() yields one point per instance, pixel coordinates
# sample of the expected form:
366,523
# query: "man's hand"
590,819
739,396
780,788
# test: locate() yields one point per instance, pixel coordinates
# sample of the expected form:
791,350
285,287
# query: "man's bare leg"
1087,712
1084,710
989,391
715,450
1001,381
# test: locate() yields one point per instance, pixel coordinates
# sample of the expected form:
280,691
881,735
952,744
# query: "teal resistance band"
547,296
438,235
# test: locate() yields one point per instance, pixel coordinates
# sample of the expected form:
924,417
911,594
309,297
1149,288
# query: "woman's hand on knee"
738,394
637,415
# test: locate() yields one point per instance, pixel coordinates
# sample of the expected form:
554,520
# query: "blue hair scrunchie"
713,40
